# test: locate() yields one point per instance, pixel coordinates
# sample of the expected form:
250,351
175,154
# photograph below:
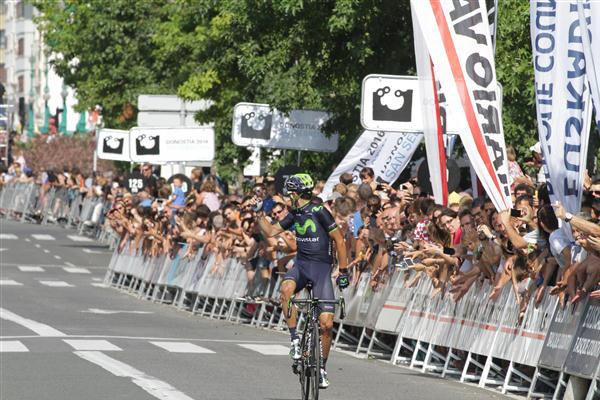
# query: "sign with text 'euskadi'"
258,125
156,145
113,144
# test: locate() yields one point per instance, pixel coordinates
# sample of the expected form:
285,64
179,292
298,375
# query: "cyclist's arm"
270,230
340,247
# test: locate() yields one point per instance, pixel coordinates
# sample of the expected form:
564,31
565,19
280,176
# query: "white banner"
562,98
258,125
113,144
457,35
433,111
589,17
155,145
387,153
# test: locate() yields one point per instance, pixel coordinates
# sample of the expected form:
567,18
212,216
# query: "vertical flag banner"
457,36
431,110
562,97
387,153
589,19
492,12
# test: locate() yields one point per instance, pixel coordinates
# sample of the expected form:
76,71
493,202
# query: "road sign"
155,145
258,125
113,144
168,111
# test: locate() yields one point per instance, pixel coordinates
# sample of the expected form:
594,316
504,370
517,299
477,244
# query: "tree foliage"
291,54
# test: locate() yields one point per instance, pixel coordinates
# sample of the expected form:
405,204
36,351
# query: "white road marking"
56,284
8,236
9,282
267,349
92,345
99,284
108,312
12,346
157,388
46,251
2,249
97,279
77,270
42,236
27,240
38,245
31,269
90,251
77,238
37,327
57,257
68,264
182,347
145,338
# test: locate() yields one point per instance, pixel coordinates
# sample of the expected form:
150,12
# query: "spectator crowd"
386,228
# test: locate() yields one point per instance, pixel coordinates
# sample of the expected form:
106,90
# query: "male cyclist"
314,227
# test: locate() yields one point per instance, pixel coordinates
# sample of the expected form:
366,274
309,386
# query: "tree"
104,50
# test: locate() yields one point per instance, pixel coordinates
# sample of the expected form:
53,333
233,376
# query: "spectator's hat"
536,148
453,198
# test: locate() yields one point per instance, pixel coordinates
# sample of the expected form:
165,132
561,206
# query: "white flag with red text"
457,35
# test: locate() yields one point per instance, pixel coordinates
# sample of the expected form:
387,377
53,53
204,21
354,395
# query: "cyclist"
315,227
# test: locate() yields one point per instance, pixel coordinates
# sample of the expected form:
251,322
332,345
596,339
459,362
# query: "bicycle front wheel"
315,358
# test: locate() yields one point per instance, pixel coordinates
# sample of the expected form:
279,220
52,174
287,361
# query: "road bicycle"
308,367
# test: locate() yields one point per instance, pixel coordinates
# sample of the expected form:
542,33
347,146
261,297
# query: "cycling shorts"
259,263
320,276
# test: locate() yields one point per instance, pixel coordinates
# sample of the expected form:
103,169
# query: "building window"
21,81
2,39
20,9
21,47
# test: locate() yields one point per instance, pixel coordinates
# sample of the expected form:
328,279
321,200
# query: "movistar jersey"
312,224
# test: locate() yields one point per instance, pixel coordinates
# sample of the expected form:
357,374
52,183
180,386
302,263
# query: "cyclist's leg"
320,274
293,282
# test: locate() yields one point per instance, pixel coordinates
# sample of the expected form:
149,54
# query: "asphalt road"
65,336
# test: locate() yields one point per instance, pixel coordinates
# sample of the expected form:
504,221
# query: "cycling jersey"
312,224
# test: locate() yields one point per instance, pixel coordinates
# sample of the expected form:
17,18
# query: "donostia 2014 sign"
157,145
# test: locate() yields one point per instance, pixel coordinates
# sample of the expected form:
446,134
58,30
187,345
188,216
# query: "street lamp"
45,128
63,122
31,99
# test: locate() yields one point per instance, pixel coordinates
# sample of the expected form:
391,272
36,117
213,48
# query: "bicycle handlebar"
341,301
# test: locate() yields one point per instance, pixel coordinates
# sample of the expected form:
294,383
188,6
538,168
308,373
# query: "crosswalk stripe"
31,269
42,236
8,236
90,251
9,282
77,238
56,284
182,347
267,349
92,345
155,387
12,346
77,270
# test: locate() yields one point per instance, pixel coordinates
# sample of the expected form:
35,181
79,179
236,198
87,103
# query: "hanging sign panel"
113,144
155,145
258,125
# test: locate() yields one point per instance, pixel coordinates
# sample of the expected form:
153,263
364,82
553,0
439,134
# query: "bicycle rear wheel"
315,357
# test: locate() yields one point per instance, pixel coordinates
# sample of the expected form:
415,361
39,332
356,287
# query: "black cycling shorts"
259,262
320,276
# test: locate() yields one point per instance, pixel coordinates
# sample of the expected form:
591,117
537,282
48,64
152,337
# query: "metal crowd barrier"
32,202
475,339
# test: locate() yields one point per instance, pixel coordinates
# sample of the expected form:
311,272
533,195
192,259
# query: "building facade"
28,78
